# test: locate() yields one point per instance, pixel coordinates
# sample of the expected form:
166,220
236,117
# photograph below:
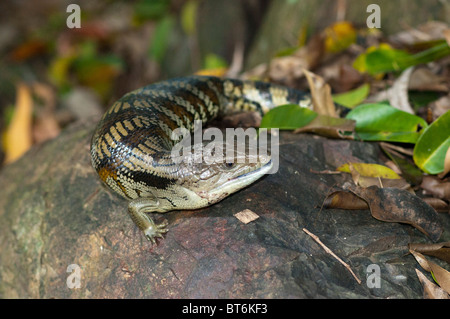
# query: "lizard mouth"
262,170
239,182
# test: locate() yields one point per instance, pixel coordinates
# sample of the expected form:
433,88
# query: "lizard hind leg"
138,209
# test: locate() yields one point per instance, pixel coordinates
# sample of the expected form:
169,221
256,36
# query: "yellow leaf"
369,170
339,36
189,17
17,138
302,36
59,69
212,72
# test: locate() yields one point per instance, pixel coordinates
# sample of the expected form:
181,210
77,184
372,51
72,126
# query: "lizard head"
214,172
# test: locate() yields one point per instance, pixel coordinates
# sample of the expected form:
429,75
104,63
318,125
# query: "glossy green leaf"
287,117
379,59
386,59
382,122
354,97
431,148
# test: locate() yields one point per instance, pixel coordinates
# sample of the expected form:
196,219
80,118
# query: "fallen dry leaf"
345,200
435,186
446,34
46,125
423,79
288,69
366,175
438,204
398,96
431,290
28,50
441,275
320,94
398,205
421,260
330,127
439,250
410,172
423,33
393,166
365,181
17,138
438,107
398,149
446,164
246,216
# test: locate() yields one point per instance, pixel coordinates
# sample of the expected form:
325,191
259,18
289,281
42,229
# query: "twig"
328,250
329,193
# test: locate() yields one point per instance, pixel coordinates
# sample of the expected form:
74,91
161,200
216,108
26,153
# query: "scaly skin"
131,147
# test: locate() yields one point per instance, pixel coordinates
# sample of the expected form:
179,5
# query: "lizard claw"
156,230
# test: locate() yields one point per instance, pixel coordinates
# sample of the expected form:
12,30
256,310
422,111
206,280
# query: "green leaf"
213,61
422,98
161,36
59,70
431,148
286,51
354,97
287,117
150,10
382,122
383,60
386,59
189,17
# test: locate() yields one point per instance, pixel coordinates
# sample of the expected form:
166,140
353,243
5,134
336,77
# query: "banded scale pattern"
131,146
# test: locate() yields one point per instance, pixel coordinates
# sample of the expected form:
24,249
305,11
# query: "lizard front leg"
138,209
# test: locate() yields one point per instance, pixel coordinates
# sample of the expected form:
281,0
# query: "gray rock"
54,212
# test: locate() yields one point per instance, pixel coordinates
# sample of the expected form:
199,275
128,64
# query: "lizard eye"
229,165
